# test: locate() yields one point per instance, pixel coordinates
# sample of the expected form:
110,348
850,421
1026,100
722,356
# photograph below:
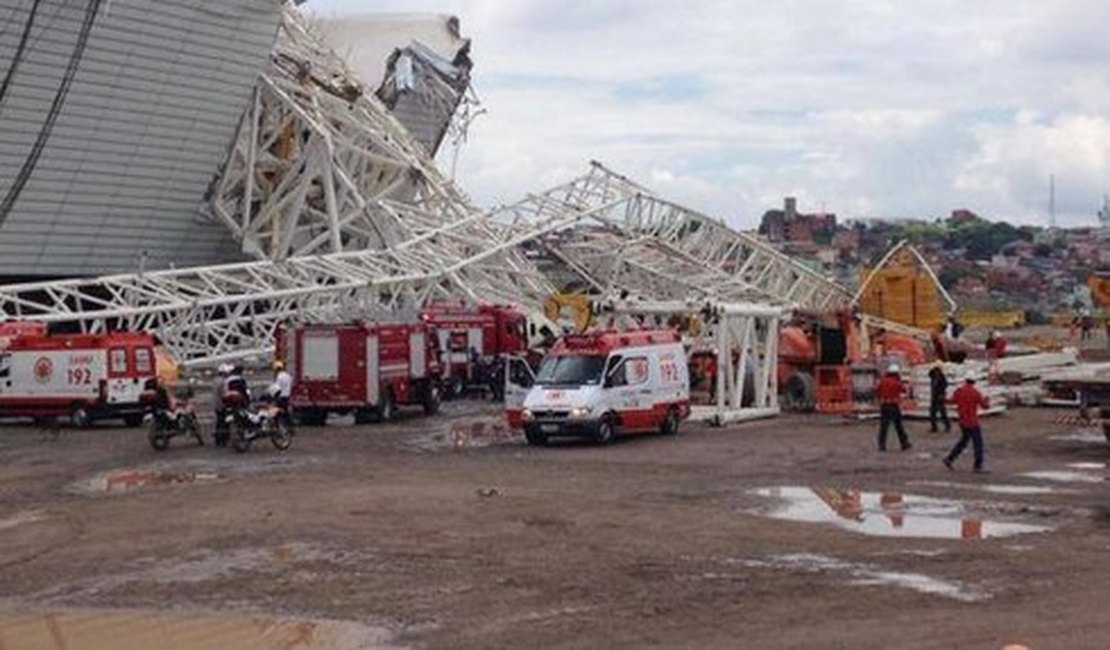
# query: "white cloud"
867,107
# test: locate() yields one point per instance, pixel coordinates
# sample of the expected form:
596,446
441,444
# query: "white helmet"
893,368
224,369
969,377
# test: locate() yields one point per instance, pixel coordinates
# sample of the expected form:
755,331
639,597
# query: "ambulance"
84,377
601,384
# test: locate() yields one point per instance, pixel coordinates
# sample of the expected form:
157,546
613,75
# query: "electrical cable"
18,56
28,167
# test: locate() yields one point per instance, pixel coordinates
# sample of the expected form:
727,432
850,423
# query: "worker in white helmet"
968,401
890,392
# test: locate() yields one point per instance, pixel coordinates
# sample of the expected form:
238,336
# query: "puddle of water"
1064,476
129,480
1093,466
100,630
1086,435
20,518
870,575
1016,490
887,514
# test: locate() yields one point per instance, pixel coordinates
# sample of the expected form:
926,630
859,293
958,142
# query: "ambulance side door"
519,380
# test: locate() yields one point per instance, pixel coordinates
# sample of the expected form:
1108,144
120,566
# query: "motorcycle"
266,421
166,424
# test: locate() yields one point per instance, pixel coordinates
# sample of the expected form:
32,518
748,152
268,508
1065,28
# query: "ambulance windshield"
571,370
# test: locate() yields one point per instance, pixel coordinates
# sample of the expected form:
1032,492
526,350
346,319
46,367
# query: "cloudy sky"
866,108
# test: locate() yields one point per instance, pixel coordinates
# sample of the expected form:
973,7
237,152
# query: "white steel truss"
212,313
742,338
644,245
319,164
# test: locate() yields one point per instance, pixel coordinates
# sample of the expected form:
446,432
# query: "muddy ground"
652,541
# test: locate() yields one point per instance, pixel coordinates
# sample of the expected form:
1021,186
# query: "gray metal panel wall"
148,120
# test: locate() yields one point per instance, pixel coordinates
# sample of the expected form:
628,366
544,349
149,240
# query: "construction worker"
938,393
996,349
968,401
890,391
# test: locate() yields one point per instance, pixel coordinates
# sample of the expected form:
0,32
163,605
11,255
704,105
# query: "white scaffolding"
742,337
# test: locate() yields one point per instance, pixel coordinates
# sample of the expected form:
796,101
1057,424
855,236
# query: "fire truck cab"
363,368
86,377
600,384
469,334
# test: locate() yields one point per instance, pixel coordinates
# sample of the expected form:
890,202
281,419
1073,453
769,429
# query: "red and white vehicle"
600,384
463,333
86,377
363,368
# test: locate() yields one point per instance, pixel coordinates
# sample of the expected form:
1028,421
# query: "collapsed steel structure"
348,216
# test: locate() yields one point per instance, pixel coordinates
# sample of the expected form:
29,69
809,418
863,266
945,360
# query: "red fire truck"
86,377
363,368
485,332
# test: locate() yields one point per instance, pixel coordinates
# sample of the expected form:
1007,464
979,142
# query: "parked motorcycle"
166,424
249,424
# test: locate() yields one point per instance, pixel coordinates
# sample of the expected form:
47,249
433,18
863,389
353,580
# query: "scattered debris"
489,492
128,480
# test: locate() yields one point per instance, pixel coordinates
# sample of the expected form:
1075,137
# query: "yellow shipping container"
904,293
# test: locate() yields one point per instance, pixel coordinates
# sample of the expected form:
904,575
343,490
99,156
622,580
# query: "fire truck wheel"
670,424
159,440
365,416
799,392
79,416
432,399
133,420
312,417
385,409
604,433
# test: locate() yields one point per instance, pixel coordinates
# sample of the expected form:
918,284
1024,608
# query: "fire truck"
470,338
86,377
367,369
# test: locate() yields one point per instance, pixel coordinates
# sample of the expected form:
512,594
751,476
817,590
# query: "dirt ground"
651,542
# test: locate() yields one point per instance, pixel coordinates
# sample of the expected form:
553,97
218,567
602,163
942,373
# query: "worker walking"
938,394
282,390
890,392
968,401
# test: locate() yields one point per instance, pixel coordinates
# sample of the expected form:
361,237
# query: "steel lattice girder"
657,249
316,157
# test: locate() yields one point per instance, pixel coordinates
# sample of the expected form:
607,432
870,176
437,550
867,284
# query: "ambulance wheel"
535,438
133,419
79,417
385,409
281,437
432,399
670,423
159,440
605,432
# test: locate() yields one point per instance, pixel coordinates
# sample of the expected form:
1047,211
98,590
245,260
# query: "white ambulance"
600,384
84,377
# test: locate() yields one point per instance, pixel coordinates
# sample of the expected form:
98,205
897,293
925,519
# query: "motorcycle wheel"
158,439
239,439
281,437
190,426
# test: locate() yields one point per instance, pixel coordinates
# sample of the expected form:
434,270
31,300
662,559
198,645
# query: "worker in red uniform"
890,392
968,401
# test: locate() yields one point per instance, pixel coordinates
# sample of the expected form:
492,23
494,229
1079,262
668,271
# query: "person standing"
968,401
282,390
219,432
890,391
996,349
938,394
